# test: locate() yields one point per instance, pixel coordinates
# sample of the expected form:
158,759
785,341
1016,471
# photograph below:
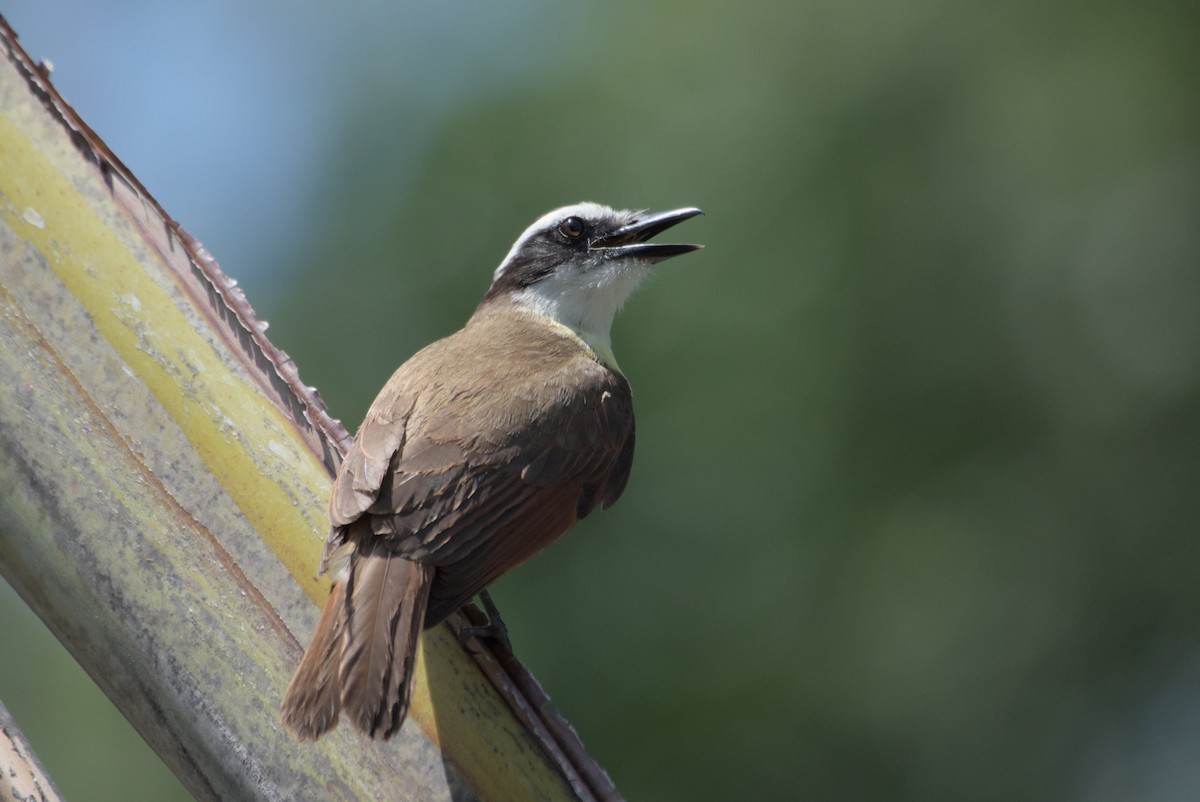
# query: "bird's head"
578,264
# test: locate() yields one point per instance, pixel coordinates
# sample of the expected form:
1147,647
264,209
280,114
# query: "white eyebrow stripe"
586,209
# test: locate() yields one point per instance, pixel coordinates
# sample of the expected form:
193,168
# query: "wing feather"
474,479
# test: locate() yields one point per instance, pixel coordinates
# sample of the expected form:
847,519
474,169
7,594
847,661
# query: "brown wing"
366,463
480,478
477,515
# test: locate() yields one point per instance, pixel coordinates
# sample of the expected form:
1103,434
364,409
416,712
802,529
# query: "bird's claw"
494,629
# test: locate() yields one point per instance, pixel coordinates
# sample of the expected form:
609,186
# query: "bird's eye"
571,228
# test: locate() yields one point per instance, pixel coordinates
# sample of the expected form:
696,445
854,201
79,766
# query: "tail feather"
386,610
363,652
313,698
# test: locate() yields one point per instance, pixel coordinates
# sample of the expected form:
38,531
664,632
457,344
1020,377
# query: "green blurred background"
914,510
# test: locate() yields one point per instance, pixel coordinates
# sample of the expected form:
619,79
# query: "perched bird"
480,451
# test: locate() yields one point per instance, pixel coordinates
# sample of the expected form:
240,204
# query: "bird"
481,449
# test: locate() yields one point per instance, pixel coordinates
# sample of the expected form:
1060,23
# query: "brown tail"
363,651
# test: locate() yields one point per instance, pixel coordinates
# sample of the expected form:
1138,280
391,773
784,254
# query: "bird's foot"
494,629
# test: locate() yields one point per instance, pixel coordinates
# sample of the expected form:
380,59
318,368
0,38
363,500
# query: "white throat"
585,301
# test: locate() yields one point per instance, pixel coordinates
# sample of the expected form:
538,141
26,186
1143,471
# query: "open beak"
629,242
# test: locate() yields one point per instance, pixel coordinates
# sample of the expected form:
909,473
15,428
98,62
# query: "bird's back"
484,448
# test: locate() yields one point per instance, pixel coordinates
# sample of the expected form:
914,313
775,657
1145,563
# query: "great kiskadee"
480,451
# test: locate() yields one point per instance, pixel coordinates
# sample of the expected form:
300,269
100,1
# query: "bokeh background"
914,510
